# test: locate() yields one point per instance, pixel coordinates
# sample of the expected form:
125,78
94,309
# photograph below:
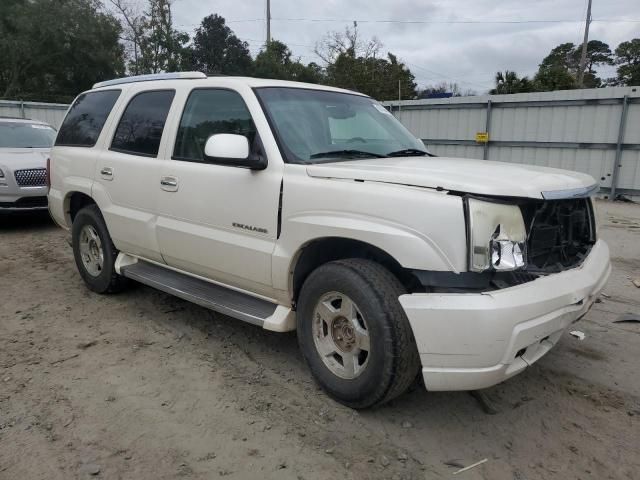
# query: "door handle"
107,173
170,184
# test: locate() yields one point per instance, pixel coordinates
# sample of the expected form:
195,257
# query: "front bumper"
15,198
469,341
26,199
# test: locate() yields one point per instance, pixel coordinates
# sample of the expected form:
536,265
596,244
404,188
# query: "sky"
461,41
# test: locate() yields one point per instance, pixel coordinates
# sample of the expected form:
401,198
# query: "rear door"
219,221
127,172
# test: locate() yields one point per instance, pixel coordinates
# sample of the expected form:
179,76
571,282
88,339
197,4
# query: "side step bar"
209,295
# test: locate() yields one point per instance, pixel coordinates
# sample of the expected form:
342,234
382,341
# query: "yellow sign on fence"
482,137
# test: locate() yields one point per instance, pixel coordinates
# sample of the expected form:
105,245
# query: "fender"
420,228
409,247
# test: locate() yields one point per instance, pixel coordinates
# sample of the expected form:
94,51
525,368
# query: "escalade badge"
250,228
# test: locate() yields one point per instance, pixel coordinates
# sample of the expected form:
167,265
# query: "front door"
218,221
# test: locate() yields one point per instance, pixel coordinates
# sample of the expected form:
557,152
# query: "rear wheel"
354,333
94,252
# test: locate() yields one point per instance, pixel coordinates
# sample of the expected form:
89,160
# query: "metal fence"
52,113
595,131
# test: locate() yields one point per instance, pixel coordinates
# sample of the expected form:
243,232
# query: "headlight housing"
1,173
497,236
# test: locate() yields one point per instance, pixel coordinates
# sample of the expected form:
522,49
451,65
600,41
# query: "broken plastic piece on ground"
487,405
473,465
578,334
627,317
636,282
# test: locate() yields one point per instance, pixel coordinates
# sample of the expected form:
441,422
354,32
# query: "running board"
209,295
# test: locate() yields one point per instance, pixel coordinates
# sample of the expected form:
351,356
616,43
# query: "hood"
19,158
481,177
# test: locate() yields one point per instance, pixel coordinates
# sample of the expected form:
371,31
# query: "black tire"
107,281
393,361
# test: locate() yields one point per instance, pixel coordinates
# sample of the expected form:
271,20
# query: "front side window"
317,126
208,112
26,135
86,117
140,129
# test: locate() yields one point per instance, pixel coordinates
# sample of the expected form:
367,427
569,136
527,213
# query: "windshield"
26,135
317,126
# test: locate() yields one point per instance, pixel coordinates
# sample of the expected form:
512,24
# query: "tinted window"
140,128
84,122
206,113
26,135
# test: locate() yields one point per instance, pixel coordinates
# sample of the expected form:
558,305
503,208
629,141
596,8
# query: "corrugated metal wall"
575,130
52,113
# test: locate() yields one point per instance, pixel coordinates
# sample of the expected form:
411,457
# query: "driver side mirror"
233,150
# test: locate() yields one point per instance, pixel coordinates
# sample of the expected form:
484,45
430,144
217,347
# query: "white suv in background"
24,149
295,206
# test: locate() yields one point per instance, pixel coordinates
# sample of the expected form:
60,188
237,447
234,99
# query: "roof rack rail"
150,77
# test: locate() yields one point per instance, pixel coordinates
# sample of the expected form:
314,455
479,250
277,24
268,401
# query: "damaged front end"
560,233
512,241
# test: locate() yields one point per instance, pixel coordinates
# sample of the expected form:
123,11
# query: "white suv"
294,206
24,150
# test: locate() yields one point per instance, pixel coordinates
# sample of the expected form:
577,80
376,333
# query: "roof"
200,79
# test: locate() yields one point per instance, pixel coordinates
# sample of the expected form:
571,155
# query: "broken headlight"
497,236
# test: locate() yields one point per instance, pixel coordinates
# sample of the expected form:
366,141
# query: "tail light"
48,175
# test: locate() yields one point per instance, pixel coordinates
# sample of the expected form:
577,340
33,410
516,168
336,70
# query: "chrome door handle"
106,173
169,184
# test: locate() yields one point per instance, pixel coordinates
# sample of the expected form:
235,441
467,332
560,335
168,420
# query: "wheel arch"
74,202
320,251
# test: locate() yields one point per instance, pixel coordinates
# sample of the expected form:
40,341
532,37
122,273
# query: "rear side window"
207,112
141,125
86,117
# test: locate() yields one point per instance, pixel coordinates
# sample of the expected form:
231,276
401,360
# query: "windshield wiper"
346,153
408,152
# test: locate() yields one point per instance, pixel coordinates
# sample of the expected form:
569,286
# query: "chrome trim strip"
582,192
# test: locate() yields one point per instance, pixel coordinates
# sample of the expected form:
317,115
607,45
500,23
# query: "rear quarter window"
88,114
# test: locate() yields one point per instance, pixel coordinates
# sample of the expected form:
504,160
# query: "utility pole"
268,22
583,57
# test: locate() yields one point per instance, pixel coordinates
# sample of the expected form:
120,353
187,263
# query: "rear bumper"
470,341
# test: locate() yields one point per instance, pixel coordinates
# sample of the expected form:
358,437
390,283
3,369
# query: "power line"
420,22
447,22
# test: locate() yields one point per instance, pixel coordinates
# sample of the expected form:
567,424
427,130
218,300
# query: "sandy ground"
142,385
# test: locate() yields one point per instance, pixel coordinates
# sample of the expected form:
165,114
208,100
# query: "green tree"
598,53
275,61
628,61
54,49
216,49
509,82
559,70
162,48
354,64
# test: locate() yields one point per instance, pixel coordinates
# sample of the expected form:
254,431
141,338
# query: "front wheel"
94,252
354,333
